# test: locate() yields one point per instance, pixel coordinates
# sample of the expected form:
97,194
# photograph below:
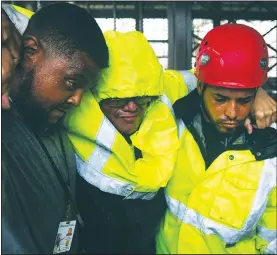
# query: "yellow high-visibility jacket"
130,74
104,157
121,193
230,207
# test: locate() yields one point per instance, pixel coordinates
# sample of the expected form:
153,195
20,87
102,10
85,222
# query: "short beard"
34,114
240,127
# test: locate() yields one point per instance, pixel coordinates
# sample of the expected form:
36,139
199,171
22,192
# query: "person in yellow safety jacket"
125,139
174,78
222,195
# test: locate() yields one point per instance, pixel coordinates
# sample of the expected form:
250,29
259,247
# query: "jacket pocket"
234,198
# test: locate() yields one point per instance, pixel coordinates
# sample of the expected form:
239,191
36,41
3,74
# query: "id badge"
64,236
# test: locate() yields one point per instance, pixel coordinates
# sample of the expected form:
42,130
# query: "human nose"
131,106
75,99
231,110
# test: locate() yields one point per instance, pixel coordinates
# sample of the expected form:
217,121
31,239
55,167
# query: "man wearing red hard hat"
222,195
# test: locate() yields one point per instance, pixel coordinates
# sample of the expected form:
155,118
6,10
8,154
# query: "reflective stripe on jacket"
18,15
228,208
104,157
107,161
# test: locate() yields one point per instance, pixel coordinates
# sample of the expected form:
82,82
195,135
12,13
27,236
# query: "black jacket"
34,201
117,226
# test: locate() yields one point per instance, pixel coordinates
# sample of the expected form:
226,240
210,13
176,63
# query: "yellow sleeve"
178,84
23,11
19,16
266,229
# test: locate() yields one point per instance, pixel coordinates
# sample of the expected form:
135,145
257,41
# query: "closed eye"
72,85
74,81
244,100
220,99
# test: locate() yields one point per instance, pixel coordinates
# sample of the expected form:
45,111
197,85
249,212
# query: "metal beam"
179,35
269,46
158,9
96,13
269,30
114,15
199,14
139,16
216,18
231,15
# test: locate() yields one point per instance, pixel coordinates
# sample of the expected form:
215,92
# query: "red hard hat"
232,56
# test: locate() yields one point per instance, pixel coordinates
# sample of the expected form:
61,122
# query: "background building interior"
175,29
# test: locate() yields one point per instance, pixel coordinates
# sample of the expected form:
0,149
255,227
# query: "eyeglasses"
121,102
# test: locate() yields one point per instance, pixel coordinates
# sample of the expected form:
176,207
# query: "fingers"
269,119
248,126
264,109
5,101
273,118
260,119
265,118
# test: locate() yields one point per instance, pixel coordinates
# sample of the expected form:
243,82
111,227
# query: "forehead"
130,98
231,93
77,63
80,60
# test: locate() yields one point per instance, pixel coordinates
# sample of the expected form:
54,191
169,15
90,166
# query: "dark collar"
188,107
262,142
34,126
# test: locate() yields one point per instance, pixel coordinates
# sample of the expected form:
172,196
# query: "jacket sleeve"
178,84
266,229
18,15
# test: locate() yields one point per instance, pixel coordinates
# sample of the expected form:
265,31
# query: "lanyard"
61,179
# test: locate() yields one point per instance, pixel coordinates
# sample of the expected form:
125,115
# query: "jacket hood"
133,71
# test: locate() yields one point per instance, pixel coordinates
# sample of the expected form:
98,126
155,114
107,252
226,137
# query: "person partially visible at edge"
222,195
125,139
172,77
61,58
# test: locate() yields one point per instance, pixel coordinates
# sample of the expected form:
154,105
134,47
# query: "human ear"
30,47
200,87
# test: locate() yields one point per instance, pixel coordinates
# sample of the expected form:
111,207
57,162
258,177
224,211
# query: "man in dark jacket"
61,58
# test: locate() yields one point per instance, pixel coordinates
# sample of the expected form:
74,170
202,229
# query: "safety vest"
107,161
228,208
104,157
